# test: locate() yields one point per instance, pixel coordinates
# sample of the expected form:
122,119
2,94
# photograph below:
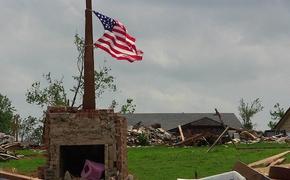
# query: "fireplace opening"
73,158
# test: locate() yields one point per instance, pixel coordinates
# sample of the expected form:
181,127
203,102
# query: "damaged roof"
283,119
172,120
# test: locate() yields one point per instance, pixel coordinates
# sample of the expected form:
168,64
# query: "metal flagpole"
89,78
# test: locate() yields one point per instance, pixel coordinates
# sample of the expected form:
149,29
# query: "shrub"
143,139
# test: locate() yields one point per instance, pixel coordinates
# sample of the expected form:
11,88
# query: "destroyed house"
191,123
284,123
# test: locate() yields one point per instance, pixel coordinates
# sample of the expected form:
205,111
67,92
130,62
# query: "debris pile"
280,138
155,135
7,147
250,137
142,135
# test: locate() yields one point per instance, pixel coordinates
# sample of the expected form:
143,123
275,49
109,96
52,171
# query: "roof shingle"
172,120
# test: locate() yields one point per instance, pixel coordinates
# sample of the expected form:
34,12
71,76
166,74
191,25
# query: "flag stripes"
116,41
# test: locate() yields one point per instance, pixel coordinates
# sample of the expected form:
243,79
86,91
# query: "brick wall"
65,126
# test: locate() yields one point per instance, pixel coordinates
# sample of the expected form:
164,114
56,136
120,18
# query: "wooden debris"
267,161
248,172
248,135
11,146
7,156
13,176
5,150
189,141
277,162
205,138
226,130
263,170
277,172
181,133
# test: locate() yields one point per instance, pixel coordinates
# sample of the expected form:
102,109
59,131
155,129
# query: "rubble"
159,136
155,135
142,135
7,147
200,139
250,137
4,138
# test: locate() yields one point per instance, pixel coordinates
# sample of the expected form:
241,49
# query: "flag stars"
107,22
127,51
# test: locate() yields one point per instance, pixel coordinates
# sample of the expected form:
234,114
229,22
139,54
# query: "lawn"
152,163
27,165
148,163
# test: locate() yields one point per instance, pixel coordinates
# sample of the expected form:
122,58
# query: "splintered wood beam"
226,130
248,172
13,176
181,133
268,160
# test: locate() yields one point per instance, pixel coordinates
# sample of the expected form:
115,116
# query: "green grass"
167,163
27,165
158,163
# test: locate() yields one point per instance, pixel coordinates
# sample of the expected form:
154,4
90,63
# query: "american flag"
116,41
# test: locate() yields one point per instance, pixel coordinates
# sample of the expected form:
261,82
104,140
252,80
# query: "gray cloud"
198,54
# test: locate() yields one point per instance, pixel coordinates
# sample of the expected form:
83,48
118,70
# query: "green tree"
53,94
129,107
276,114
248,110
30,130
104,81
6,114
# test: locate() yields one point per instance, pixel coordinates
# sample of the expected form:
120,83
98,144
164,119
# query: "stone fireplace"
73,136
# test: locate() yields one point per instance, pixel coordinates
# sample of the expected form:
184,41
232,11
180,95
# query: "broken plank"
7,156
267,161
189,141
277,162
263,170
181,133
226,130
12,176
248,172
281,173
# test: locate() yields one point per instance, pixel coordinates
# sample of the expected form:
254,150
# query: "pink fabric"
92,170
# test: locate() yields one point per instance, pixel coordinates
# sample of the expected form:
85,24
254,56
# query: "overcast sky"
198,55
